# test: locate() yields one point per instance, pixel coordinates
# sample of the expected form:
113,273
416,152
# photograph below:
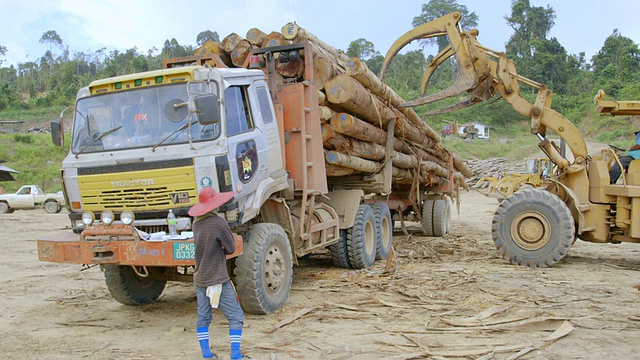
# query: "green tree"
54,40
619,58
172,49
362,49
528,23
207,35
437,8
3,52
549,64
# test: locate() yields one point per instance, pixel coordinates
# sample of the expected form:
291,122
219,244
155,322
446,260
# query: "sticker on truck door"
246,160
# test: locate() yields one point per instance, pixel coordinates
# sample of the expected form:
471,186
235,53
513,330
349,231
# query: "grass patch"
35,157
512,147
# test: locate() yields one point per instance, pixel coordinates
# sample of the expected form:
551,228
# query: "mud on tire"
361,239
384,225
533,228
436,217
128,288
339,252
264,271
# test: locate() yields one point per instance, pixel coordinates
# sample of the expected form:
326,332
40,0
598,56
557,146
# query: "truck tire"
533,228
384,224
340,253
436,217
52,207
264,271
361,239
4,207
127,288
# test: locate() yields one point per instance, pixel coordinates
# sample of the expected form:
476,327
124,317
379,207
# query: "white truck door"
23,199
247,145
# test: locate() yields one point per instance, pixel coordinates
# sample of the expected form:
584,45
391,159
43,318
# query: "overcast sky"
89,25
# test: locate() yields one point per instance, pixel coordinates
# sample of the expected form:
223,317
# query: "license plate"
184,250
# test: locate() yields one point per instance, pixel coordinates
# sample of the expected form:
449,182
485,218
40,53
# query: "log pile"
494,167
358,112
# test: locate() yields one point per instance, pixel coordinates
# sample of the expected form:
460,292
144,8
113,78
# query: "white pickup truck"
31,197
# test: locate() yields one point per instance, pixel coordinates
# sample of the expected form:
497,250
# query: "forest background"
37,91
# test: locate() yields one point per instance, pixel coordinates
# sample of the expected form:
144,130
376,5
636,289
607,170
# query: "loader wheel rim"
531,230
274,270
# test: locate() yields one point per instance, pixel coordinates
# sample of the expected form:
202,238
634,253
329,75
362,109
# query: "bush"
23,138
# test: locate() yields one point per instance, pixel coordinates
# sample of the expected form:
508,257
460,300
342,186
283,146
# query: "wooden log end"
256,36
290,30
230,41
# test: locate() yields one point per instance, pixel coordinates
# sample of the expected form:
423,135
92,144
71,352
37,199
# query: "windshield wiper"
104,134
180,129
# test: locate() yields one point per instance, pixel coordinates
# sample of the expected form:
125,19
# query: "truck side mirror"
207,109
57,136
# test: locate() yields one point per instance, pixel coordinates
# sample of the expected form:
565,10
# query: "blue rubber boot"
203,338
235,335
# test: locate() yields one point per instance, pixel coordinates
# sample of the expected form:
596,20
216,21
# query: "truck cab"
137,143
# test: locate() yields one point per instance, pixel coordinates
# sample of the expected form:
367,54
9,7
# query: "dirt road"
451,297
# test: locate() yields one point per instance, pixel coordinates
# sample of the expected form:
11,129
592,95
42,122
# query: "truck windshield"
137,118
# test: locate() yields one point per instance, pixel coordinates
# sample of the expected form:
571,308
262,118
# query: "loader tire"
339,252
533,228
128,288
436,217
264,271
384,224
361,239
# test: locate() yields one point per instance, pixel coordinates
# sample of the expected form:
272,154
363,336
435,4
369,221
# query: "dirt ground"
451,297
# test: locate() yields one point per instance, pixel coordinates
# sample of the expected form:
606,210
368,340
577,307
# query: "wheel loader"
537,226
537,174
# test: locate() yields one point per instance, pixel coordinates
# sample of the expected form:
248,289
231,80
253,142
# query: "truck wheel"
4,208
436,217
130,289
384,224
340,253
52,207
264,271
533,228
361,239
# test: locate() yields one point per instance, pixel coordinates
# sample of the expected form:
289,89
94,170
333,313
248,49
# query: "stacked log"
357,110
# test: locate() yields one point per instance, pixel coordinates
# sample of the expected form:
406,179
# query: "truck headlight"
127,217
106,217
88,218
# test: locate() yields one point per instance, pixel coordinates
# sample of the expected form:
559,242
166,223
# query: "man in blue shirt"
632,154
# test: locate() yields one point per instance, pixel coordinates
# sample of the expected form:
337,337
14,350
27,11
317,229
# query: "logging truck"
144,144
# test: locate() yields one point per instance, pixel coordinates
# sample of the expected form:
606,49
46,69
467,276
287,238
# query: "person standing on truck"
213,241
632,154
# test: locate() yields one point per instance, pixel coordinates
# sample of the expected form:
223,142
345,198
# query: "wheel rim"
386,232
274,270
370,238
51,207
531,230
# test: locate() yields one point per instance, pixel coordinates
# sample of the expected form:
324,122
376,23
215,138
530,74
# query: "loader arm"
615,108
483,73
487,74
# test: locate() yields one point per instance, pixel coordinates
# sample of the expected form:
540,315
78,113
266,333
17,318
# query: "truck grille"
143,188
132,198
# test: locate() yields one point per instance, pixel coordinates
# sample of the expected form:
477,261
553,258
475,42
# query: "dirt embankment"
451,297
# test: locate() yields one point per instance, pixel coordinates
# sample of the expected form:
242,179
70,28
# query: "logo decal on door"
246,160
